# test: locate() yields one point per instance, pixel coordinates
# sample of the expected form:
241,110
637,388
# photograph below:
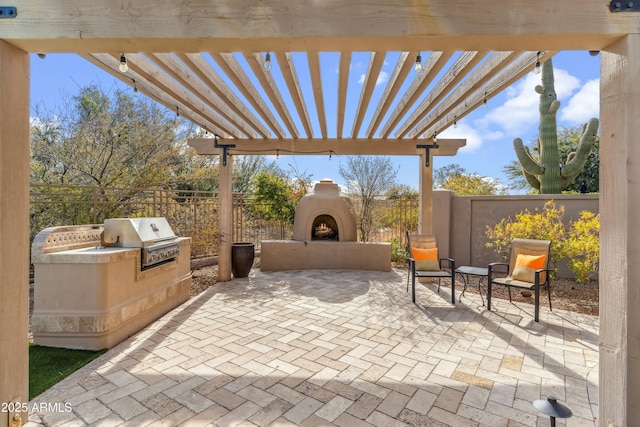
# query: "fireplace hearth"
324,237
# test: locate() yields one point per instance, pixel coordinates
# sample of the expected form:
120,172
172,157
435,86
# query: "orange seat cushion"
526,266
426,259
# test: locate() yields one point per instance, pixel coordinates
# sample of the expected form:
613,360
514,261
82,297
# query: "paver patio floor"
345,348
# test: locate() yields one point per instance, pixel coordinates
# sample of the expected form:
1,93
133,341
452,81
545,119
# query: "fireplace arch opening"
325,227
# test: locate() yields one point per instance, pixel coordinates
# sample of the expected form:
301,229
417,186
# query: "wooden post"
425,219
619,386
225,219
14,228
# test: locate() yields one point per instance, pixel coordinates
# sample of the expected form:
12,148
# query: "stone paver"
336,347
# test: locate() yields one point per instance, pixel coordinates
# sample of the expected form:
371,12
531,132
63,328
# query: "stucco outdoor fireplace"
324,236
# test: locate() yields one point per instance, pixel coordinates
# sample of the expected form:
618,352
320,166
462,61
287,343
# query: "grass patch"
49,365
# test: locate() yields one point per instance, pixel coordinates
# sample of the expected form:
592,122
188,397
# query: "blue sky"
489,132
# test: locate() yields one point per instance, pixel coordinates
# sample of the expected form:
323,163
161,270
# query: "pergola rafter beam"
288,70
200,67
431,68
110,64
400,72
236,74
371,77
257,64
316,84
520,67
185,77
454,75
150,72
343,83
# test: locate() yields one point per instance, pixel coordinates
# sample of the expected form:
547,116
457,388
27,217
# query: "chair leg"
438,285
489,280
536,302
413,284
408,274
509,289
549,294
453,288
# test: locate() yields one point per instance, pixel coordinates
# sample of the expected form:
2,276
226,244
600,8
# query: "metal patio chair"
528,268
424,261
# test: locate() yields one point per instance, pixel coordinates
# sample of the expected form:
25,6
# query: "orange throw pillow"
426,259
424,254
526,266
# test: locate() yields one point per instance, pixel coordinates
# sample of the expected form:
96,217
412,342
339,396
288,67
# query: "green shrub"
398,250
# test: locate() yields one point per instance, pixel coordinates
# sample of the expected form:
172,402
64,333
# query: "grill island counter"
92,296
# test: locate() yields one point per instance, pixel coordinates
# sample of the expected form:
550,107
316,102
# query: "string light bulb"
435,138
484,102
455,122
267,62
135,87
418,67
177,111
538,67
330,154
123,64
277,154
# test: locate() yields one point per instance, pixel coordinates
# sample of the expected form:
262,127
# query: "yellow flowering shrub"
578,241
583,245
545,224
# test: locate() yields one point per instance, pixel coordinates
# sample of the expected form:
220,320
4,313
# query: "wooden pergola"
178,51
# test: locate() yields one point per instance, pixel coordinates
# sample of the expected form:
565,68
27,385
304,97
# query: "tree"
366,178
544,172
455,178
274,197
104,142
247,168
568,139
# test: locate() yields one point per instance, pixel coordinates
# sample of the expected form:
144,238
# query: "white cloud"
584,105
464,131
382,78
520,111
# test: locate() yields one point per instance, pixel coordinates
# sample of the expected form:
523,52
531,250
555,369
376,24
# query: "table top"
474,271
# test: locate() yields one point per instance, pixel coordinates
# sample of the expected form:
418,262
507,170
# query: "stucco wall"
461,221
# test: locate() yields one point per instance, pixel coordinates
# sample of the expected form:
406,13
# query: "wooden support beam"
14,228
308,25
403,147
225,219
619,385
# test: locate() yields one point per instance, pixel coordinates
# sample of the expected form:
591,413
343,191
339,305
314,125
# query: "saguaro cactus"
545,173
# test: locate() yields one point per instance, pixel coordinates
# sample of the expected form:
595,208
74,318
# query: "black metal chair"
424,261
528,268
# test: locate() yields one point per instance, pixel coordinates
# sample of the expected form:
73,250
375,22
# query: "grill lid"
136,232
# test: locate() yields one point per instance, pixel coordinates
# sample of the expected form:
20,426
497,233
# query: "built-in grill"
153,236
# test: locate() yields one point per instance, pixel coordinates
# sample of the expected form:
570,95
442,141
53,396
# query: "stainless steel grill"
153,236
